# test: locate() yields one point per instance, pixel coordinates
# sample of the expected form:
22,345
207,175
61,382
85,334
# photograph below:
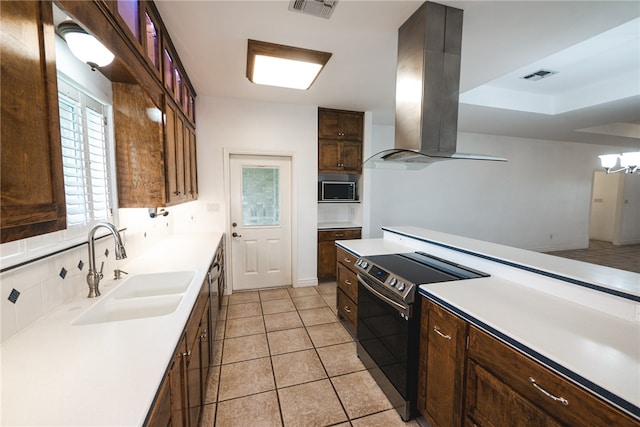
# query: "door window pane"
260,196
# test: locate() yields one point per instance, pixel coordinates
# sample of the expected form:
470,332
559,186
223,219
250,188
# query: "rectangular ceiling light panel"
283,66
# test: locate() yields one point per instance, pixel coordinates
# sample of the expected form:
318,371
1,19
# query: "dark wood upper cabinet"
340,135
32,184
139,150
340,124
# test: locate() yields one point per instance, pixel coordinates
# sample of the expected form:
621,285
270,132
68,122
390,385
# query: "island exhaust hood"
427,90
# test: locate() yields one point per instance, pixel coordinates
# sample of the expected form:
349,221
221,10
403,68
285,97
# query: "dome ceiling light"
84,46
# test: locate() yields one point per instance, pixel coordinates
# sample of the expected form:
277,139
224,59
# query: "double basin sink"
140,296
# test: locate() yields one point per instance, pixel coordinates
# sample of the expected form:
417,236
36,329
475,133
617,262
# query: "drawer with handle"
347,281
347,259
339,234
347,310
555,395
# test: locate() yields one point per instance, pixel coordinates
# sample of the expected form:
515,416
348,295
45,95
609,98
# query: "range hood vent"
320,8
427,91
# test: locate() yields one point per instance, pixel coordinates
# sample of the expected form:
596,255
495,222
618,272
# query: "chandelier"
629,162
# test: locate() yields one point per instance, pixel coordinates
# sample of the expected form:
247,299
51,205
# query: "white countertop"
606,277
54,373
587,332
337,225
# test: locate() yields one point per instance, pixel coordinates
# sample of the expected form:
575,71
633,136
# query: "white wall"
605,202
539,200
628,231
241,126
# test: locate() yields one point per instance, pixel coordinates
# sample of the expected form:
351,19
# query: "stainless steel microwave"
337,191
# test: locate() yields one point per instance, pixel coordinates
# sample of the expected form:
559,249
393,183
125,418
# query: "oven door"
390,341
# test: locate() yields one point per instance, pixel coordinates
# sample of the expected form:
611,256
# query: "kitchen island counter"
57,373
578,319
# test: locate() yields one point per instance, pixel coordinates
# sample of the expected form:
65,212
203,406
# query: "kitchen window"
86,158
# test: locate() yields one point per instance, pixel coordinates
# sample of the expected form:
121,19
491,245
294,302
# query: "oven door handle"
384,298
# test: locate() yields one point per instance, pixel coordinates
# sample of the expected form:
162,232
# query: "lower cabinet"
181,396
443,352
469,378
327,249
347,289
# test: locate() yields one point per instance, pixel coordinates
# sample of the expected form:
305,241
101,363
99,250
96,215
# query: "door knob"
234,234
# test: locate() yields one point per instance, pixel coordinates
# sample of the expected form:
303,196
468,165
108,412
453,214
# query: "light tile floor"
284,359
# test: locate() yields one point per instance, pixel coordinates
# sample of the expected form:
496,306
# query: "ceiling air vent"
539,75
320,8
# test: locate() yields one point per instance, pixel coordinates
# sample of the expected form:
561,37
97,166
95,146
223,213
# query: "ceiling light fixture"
84,46
284,66
629,162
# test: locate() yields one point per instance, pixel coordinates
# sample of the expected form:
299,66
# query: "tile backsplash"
41,286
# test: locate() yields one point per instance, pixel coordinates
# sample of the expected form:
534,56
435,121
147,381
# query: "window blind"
85,159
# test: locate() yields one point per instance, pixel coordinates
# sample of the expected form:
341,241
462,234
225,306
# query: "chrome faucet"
93,276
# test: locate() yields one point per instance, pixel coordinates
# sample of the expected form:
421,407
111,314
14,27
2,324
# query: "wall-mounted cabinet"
340,136
32,200
156,159
340,124
339,156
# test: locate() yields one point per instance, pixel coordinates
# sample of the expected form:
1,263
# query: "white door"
260,189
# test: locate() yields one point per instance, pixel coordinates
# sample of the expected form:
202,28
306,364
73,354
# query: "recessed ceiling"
500,39
598,70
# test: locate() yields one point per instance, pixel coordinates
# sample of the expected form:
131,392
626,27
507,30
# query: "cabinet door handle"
562,400
347,260
187,354
346,308
339,234
437,331
347,282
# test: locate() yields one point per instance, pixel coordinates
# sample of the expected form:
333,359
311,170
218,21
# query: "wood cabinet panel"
490,383
340,136
340,124
494,403
347,310
193,161
32,186
327,249
339,234
329,156
516,370
445,336
339,156
160,415
178,381
351,157
140,153
347,280
347,258
326,259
